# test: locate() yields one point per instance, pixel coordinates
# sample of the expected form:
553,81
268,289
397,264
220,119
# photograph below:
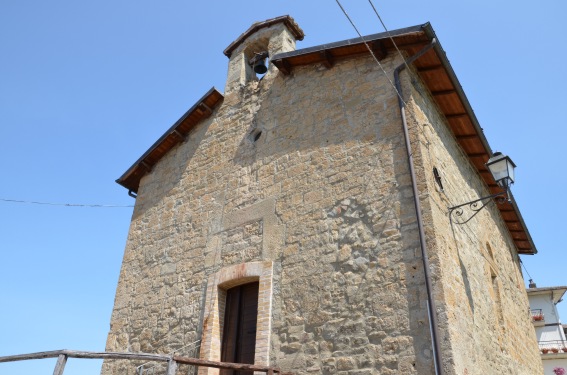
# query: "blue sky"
87,87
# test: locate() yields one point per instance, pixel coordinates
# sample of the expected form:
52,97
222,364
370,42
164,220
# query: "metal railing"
172,361
537,315
553,346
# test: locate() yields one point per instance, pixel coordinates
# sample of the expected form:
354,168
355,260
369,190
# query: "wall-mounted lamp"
502,169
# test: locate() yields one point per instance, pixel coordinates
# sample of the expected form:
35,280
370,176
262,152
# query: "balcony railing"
553,347
537,315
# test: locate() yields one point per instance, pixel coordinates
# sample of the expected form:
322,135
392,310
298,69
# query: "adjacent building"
300,219
550,332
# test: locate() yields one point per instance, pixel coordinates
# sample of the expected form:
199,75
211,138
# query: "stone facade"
484,308
320,209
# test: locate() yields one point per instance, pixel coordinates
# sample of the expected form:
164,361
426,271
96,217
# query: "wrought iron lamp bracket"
476,206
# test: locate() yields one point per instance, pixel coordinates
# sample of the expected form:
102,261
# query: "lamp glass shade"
502,169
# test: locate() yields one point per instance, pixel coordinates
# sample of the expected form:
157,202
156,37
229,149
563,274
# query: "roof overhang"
556,292
438,75
174,135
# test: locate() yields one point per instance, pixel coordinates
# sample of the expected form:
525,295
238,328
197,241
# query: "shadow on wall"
295,115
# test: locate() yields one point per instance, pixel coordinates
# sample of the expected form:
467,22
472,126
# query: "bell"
260,66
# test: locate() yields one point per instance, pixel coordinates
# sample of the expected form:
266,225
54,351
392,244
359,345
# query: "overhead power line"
370,50
388,32
398,94
65,204
522,263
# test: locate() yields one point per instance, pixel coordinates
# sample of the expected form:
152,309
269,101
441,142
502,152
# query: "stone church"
301,219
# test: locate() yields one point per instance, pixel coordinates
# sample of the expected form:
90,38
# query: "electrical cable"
522,263
388,32
370,50
65,204
432,321
378,62
399,53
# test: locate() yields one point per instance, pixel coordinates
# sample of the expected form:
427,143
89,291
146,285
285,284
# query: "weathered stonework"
484,312
320,207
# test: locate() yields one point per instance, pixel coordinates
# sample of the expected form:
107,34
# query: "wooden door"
239,334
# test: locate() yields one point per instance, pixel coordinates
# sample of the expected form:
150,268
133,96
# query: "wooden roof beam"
457,116
283,66
443,92
205,109
411,45
379,49
430,68
181,136
327,57
146,166
477,155
466,136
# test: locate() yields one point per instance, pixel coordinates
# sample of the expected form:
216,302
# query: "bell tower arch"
261,40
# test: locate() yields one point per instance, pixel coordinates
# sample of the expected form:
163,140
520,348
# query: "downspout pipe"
431,309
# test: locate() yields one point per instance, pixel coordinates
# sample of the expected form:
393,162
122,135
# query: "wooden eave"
174,135
438,75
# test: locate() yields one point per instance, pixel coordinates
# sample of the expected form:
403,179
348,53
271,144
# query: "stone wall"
332,209
484,313
322,203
